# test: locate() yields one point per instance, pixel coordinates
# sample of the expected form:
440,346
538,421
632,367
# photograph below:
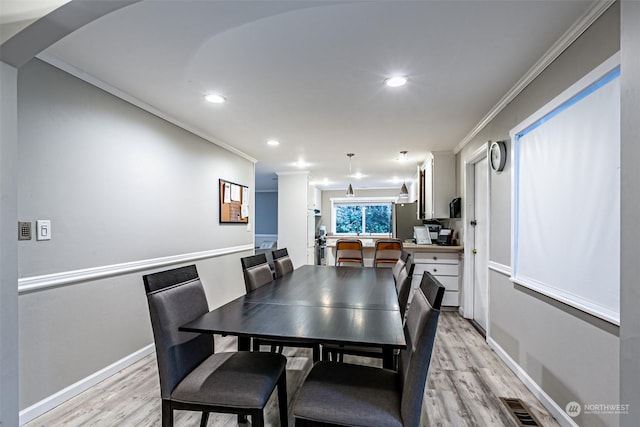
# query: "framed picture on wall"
234,203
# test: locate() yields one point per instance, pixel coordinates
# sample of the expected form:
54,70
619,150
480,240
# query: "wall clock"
498,155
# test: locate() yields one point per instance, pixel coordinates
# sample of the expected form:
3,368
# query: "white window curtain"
566,200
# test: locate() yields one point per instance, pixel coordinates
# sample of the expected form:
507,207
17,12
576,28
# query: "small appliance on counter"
321,245
434,230
445,237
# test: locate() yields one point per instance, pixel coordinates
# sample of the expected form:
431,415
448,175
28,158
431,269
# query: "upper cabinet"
438,185
314,199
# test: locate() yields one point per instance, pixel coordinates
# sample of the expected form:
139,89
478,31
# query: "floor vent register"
520,412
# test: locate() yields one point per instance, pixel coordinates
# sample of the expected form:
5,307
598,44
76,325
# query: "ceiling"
310,74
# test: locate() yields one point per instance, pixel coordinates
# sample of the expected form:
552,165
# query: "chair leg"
255,344
205,419
283,399
325,354
316,353
257,420
167,413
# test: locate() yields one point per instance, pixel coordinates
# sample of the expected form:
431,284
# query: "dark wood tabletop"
323,286
319,304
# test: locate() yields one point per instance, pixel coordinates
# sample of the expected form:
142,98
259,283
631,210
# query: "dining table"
315,304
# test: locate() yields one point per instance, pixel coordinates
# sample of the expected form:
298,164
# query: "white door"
480,252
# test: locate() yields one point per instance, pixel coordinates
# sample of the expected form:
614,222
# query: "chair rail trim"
47,281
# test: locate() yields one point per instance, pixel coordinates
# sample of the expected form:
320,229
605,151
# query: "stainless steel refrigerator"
405,216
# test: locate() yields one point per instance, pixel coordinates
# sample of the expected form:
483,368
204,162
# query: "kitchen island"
444,262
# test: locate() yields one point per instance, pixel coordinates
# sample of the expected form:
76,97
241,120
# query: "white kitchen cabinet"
439,184
443,266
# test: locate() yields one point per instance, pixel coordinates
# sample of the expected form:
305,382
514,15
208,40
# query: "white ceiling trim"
82,75
559,46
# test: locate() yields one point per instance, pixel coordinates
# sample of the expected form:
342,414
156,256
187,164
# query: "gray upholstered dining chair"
192,376
257,273
405,257
355,395
281,262
336,352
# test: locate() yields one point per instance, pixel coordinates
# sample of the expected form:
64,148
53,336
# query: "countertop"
432,248
411,247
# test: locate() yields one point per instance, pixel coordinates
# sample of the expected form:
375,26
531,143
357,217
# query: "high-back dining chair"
349,251
401,263
345,394
192,376
257,273
282,262
387,252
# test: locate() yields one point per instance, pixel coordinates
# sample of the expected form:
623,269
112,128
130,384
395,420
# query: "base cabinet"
445,267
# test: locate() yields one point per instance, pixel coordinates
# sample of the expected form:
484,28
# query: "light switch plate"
43,229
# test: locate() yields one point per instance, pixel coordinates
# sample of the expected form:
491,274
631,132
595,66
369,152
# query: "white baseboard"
558,413
73,390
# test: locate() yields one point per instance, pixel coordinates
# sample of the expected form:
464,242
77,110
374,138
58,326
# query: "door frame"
468,288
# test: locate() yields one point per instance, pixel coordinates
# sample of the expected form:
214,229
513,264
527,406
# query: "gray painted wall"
119,185
630,209
267,212
8,246
570,355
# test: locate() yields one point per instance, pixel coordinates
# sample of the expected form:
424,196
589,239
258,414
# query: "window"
567,160
364,216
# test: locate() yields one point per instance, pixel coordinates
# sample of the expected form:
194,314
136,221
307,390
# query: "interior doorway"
476,232
479,252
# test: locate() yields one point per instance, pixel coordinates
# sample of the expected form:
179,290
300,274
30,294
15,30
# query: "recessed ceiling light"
215,98
273,142
301,164
396,81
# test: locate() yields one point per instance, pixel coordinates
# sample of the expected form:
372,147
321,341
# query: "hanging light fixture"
404,192
350,192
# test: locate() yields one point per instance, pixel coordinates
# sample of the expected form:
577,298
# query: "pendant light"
404,192
350,192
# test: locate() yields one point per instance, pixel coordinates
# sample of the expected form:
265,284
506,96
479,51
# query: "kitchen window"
361,216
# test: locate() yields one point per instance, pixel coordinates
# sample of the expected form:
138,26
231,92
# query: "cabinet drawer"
436,269
450,283
439,257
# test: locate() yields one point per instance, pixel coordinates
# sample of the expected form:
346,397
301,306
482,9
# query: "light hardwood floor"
466,380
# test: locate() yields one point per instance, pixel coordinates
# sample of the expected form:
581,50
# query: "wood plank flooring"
466,379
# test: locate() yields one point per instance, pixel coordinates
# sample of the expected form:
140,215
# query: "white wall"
8,247
569,355
127,193
292,215
630,209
